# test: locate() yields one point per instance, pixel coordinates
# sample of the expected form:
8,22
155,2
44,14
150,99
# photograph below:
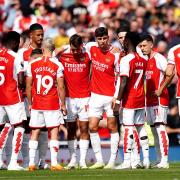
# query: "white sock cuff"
115,136
18,129
94,134
8,125
161,127
83,143
54,143
33,144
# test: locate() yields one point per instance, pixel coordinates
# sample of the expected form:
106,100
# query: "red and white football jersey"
44,72
156,67
10,66
24,55
133,66
76,74
104,67
174,58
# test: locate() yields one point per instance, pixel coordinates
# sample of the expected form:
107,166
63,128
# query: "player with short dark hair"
11,98
36,34
104,65
156,104
132,95
76,63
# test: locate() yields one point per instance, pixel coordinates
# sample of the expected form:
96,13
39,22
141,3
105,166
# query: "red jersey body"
76,74
133,66
10,66
44,72
104,67
156,67
174,58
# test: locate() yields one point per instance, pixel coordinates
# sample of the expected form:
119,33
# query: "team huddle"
40,85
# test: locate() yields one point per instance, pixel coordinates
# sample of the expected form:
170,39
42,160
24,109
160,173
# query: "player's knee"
35,133
93,128
84,129
112,127
71,127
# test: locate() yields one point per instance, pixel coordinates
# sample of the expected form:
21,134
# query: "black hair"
11,40
122,29
36,51
133,37
146,37
76,40
101,31
25,35
35,27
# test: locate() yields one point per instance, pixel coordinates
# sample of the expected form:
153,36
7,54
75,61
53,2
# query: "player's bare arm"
168,78
121,90
21,80
61,90
59,51
114,100
29,91
122,87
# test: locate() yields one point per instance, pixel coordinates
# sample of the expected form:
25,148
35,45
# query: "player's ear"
30,35
151,46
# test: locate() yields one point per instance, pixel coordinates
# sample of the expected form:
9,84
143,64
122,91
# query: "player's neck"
106,48
151,54
47,53
34,45
131,50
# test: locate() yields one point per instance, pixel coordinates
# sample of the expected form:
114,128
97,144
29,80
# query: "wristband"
117,102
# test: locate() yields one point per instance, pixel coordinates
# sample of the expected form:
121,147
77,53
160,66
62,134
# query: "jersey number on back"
2,78
46,82
140,74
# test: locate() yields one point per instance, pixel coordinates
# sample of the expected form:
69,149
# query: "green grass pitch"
173,173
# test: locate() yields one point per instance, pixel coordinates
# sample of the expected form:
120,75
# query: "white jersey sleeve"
161,62
125,66
19,64
60,71
116,62
89,45
29,73
117,87
171,56
21,58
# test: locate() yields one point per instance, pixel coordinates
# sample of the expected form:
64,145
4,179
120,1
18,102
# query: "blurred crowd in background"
63,18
